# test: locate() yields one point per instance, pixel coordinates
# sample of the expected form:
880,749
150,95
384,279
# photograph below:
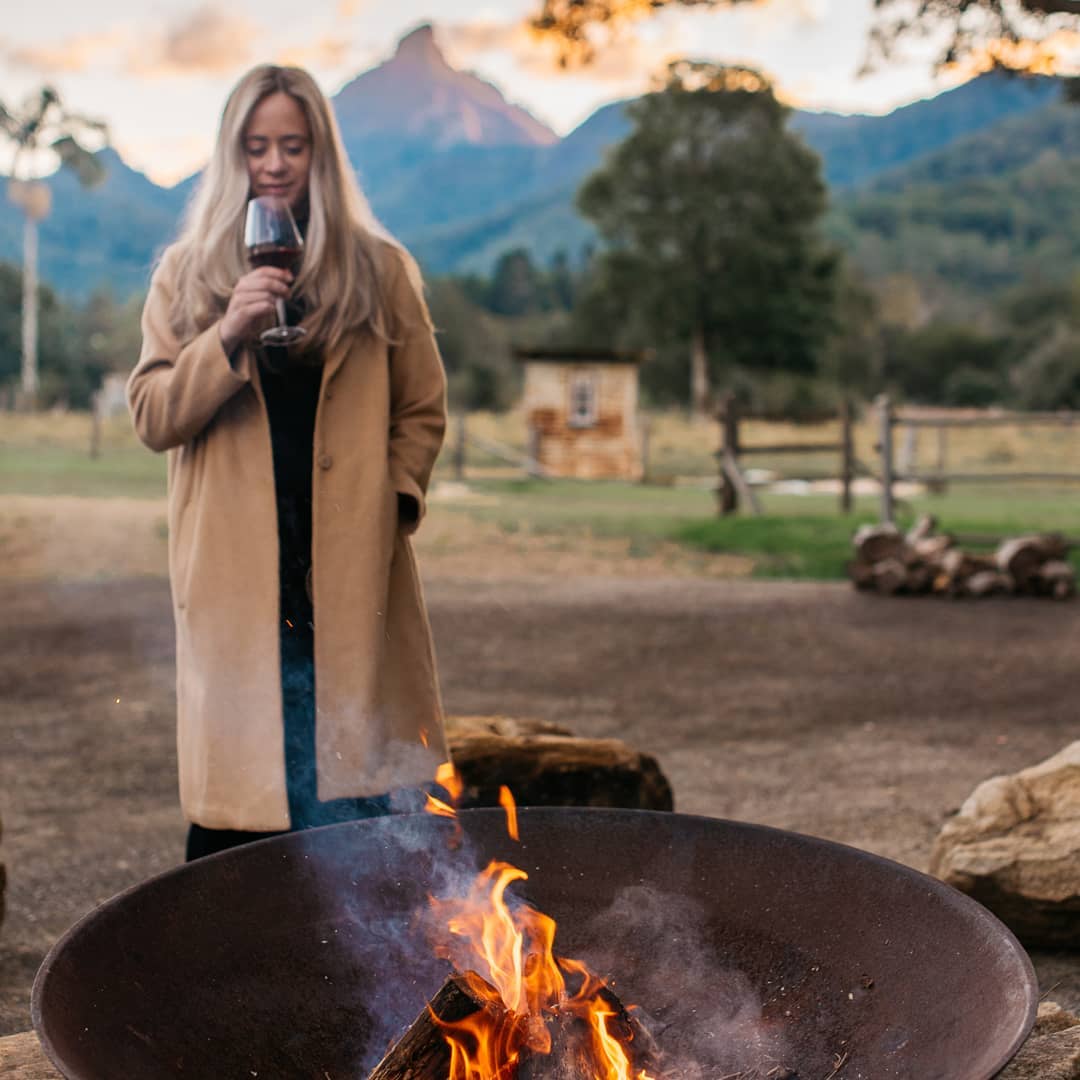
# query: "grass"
797,536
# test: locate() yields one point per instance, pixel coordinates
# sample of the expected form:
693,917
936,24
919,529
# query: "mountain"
416,96
855,149
461,175
987,211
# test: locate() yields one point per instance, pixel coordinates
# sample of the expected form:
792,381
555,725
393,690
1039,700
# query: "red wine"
284,258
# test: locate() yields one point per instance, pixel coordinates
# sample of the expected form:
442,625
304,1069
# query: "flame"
505,952
450,780
506,801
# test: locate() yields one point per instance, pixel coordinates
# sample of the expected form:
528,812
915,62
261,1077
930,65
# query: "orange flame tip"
506,801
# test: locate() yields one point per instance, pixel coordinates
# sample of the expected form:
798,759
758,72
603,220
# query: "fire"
531,998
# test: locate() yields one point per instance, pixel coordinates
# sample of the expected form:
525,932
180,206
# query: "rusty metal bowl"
303,956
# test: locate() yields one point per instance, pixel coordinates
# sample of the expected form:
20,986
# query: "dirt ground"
809,707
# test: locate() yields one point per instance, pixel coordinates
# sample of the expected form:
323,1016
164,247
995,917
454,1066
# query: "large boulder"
544,764
1052,1050
1015,847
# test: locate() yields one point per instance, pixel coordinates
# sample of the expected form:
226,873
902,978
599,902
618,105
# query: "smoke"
706,1016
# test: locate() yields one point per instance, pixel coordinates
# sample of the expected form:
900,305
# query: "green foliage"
709,212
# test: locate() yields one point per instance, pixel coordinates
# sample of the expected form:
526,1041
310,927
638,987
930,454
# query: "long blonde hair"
339,279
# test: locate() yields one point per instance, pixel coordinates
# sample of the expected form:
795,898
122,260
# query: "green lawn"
797,536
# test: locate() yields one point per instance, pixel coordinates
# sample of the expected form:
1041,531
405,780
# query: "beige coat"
378,429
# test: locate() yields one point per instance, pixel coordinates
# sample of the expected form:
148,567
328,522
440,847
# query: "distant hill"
990,210
461,175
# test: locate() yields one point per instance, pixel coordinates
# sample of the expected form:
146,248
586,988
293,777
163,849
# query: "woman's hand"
254,297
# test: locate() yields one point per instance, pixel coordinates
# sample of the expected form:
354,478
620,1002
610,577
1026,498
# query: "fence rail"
733,485
910,419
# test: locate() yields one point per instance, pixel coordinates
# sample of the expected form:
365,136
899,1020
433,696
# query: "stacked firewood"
924,561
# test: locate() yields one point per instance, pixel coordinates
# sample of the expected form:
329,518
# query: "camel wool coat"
378,428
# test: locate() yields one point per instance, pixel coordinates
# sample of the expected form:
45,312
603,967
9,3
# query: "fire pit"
746,949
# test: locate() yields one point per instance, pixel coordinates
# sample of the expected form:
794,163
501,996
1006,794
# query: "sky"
158,71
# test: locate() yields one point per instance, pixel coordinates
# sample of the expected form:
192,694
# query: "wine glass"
272,239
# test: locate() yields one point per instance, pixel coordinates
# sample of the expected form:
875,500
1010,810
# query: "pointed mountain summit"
416,96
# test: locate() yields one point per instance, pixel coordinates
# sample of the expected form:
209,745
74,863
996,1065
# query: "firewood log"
861,574
986,583
876,542
922,529
1057,579
1022,556
920,578
932,549
890,576
423,1053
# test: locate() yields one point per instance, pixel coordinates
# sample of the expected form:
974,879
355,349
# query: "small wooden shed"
581,408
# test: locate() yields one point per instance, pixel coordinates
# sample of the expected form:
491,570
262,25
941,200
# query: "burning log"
423,1053
567,1048
890,563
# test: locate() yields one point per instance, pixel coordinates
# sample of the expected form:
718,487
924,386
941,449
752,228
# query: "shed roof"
572,355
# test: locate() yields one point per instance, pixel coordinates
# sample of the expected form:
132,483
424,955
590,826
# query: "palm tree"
39,130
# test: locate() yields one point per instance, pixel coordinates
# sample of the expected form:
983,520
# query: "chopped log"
932,548
890,576
556,770
876,542
1022,556
922,529
572,1043
987,583
1056,578
21,1058
861,574
920,578
423,1053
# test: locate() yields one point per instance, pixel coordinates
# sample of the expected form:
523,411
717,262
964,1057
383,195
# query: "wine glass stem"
282,320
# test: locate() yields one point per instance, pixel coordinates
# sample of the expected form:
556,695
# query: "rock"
1015,847
1052,1050
543,764
3,880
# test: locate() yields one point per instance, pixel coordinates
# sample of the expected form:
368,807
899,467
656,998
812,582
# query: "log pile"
924,561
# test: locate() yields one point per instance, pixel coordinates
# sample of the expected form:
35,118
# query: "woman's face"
277,148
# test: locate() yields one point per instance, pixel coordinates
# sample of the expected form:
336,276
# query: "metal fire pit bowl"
745,947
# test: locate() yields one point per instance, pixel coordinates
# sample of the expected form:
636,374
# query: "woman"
306,682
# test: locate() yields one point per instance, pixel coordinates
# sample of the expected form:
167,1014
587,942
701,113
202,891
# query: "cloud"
73,56
629,57
208,41
327,52
204,42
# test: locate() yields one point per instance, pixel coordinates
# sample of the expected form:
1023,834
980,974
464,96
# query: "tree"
987,30
710,210
42,128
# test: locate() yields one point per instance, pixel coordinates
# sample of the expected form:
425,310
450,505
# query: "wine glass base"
282,335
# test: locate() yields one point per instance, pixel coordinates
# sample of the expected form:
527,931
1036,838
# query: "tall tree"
39,130
710,211
987,30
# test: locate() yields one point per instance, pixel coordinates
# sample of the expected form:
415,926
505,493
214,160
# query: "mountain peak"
419,47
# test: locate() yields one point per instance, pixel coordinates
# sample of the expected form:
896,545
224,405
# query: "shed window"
582,400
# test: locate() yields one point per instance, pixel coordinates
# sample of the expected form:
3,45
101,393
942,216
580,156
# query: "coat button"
325,461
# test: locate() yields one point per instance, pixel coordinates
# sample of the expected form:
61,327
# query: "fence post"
940,485
646,438
885,419
728,416
459,448
95,424
847,451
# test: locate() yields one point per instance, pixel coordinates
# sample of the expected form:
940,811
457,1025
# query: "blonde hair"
339,278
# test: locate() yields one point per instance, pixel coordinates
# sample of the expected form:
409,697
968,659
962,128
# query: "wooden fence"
911,420
733,486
